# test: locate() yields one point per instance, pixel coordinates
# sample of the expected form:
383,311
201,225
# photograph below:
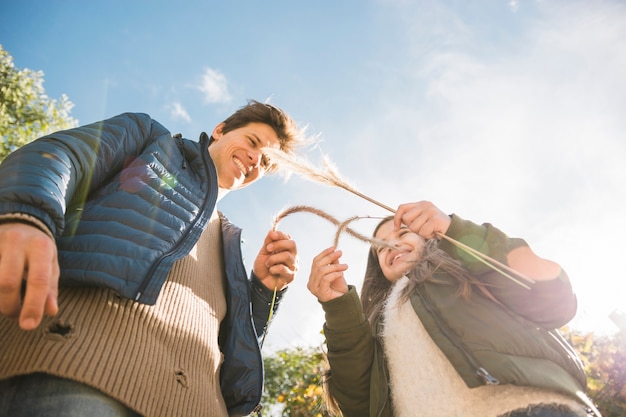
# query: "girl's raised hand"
423,218
326,280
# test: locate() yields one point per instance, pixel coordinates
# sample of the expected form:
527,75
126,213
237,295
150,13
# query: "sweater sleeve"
549,304
350,353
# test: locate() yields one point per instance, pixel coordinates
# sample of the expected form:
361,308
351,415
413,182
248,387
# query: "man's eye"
265,162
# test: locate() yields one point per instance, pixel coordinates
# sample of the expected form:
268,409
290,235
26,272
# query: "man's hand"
27,254
277,262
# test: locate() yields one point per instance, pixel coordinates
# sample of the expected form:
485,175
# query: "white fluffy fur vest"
424,383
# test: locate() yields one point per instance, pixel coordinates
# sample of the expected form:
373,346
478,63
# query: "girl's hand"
326,281
423,218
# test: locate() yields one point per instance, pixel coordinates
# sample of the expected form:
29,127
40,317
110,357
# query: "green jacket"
511,343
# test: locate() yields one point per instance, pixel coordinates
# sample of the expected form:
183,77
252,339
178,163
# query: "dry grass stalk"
490,262
341,226
292,163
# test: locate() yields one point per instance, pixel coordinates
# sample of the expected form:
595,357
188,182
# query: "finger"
286,259
406,214
333,271
39,280
274,236
330,255
427,230
397,218
331,278
11,276
282,258
279,245
282,273
267,241
52,308
325,276
331,283
278,235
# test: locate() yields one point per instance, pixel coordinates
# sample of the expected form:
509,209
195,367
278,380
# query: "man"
122,289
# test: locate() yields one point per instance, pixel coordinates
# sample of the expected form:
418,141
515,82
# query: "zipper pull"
487,377
257,410
178,137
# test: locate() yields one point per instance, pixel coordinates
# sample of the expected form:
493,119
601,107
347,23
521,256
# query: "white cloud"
178,112
214,87
525,132
528,136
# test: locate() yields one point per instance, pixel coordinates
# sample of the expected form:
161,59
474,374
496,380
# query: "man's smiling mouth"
241,166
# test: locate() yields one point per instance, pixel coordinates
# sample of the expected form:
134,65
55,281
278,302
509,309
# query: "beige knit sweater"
424,383
160,360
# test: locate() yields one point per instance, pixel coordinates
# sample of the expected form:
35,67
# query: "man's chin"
234,184
238,186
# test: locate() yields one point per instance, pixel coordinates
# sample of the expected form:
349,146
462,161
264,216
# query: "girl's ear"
217,132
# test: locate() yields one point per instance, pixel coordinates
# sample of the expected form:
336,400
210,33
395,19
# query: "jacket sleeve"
350,353
45,177
549,304
261,298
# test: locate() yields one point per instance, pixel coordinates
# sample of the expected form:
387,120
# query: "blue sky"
509,112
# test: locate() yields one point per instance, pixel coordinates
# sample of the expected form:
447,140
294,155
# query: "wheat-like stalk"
341,226
294,163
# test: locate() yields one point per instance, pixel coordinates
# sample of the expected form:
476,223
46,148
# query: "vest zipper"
181,147
481,371
208,196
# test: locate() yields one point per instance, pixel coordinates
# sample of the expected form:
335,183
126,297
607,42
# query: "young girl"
439,333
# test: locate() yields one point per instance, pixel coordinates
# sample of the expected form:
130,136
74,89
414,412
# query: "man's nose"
255,158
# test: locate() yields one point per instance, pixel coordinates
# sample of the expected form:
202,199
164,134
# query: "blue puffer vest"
125,200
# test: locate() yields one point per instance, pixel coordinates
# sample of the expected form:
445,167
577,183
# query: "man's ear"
217,132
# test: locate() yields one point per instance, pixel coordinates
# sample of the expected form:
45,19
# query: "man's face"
237,154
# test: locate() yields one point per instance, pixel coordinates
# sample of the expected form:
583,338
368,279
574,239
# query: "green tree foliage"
26,112
293,383
605,361
293,377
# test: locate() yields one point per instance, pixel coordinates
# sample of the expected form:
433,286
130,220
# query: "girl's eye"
382,248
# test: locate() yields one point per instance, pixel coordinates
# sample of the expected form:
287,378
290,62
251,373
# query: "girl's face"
395,263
